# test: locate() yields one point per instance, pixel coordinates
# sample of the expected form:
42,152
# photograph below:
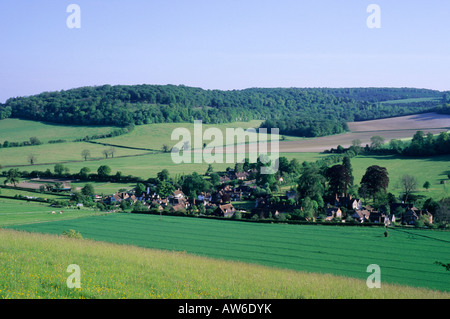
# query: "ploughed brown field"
390,128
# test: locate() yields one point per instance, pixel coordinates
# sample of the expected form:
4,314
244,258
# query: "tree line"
296,111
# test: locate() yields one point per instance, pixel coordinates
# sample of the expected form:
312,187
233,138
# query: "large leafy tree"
12,177
104,171
164,189
195,184
312,184
338,179
375,180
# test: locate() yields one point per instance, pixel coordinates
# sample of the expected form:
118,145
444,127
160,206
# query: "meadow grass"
148,165
13,192
433,169
406,257
15,130
34,266
49,154
154,136
14,211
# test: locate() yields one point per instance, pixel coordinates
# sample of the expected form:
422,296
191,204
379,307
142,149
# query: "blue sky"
223,44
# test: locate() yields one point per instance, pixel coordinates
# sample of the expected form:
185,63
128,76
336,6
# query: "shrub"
72,234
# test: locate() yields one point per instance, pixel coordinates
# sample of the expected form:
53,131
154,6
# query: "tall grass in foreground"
34,266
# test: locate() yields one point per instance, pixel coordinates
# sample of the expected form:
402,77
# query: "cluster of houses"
409,213
220,203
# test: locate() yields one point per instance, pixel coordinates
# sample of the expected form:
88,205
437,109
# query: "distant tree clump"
104,171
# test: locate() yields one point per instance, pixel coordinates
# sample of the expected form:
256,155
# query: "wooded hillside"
296,111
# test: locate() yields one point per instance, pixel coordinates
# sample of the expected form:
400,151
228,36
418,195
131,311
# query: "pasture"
432,169
147,165
50,154
406,257
154,136
14,211
33,266
15,130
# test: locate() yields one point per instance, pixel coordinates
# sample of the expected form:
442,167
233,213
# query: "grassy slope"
153,136
34,266
15,130
61,152
432,169
404,257
21,212
148,165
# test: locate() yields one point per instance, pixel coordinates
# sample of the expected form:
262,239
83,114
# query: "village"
227,200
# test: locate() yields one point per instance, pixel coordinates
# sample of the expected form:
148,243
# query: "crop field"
405,257
15,130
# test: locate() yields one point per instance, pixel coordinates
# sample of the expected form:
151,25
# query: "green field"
33,266
12,192
146,165
433,169
13,211
154,136
406,257
49,154
15,130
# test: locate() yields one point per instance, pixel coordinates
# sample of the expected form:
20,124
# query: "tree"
165,148
442,214
427,185
210,170
106,153
375,179
85,154
283,165
194,184
58,169
140,189
214,179
112,151
104,171
346,162
431,205
88,190
309,208
31,159
35,141
84,172
356,143
338,179
409,185
164,189
376,141
311,184
12,177
163,175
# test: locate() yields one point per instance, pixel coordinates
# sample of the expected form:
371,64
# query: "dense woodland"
306,112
